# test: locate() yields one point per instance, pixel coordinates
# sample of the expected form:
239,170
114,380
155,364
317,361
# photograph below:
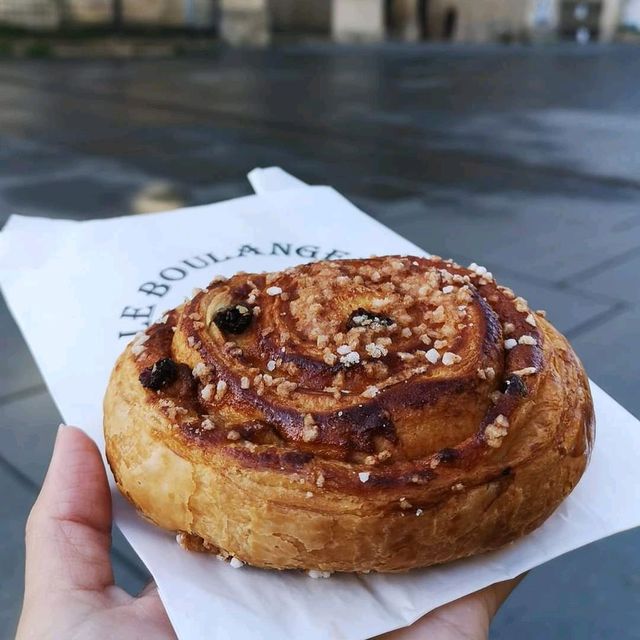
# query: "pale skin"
69,585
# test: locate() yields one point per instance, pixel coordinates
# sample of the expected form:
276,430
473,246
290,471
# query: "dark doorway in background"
579,19
450,24
389,17
423,19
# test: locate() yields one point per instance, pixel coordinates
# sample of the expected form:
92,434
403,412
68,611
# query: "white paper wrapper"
76,287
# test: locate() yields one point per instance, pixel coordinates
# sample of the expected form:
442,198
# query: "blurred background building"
56,14
255,21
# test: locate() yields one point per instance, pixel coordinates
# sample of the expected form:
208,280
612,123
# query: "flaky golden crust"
356,415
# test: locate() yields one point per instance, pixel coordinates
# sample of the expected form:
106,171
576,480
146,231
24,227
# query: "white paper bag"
102,281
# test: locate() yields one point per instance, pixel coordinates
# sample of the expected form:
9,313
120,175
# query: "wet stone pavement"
525,160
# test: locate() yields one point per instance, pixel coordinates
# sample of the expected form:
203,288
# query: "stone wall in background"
163,13
612,11
358,20
30,14
88,12
473,21
403,20
245,22
306,16
253,21
48,14
492,20
176,13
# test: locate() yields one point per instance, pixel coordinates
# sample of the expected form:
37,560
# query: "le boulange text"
138,317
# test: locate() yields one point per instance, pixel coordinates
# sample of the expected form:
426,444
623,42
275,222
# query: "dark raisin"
506,471
448,455
161,374
363,318
234,319
514,385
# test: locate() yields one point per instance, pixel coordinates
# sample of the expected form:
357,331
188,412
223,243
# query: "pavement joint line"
555,285
615,306
81,169
19,475
564,285
587,272
592,296
21,394
596,321
511,271
34,487
293,130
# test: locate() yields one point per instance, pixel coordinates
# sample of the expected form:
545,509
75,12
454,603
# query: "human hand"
465,619
69,586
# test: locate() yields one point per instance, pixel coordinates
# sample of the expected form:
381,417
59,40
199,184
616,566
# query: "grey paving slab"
129,571
557,136
590,594
76,197
27,432
620,279
14,509
43,179
19,371
479,103
567,310
48,109
551,237
21,158
611,356
401,88
220,191
388,189
13,115
360,98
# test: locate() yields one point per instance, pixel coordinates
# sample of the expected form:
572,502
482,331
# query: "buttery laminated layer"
389,363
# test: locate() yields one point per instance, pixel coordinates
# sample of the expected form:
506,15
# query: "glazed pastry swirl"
351,361
360,396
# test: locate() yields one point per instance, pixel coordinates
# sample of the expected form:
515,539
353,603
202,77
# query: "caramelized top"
393,364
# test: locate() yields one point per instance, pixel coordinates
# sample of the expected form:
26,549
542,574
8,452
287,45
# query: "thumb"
469,617
68,533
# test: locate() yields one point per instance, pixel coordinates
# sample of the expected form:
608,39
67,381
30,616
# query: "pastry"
352,415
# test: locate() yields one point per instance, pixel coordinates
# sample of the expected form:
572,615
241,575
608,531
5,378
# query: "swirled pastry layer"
355,415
